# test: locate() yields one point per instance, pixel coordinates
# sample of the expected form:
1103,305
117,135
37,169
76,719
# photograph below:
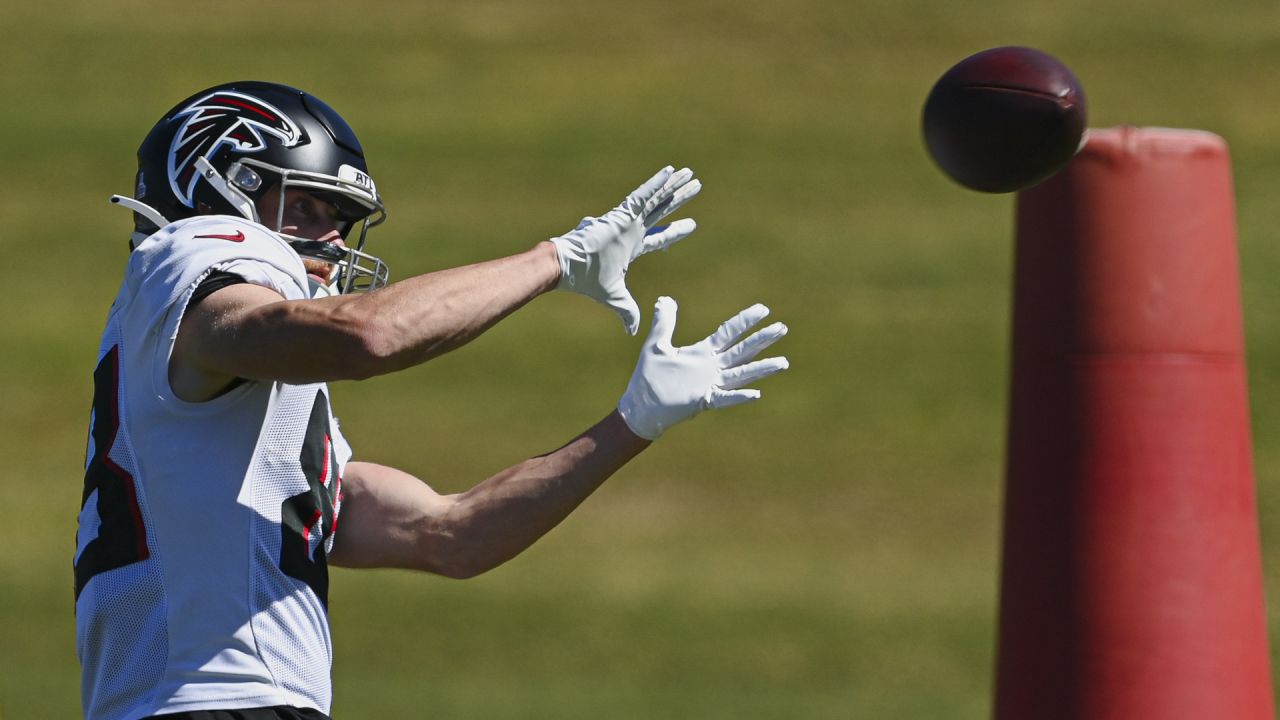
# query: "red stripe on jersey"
306,530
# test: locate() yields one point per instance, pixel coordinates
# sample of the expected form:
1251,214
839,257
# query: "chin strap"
357,271
327,252
319,290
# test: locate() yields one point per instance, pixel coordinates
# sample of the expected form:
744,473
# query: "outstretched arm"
392,519
245,331
251,332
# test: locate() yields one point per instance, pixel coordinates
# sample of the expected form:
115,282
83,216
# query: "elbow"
455,557
462,571
458,564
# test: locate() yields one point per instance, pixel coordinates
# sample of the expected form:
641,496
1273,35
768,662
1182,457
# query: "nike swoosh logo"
238,237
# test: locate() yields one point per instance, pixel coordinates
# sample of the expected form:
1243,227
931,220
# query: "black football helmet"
220,150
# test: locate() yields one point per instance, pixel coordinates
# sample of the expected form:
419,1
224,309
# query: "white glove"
594,256
672,384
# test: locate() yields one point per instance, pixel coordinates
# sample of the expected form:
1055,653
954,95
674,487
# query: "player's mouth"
318,271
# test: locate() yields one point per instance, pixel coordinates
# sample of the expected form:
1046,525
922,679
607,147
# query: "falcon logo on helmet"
222,118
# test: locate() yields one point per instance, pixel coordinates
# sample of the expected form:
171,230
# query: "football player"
218,486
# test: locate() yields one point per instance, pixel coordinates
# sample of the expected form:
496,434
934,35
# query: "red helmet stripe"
247,106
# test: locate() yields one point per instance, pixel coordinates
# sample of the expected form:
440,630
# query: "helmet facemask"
352,193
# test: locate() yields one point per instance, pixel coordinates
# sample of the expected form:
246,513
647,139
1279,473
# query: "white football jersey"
200,568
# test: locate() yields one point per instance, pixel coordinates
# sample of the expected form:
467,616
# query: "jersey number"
122,537
308,519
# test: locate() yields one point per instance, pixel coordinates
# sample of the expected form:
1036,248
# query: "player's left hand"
672,384
594,256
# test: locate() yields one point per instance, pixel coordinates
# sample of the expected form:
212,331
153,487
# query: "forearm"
428,315
501,517
392,519
390,329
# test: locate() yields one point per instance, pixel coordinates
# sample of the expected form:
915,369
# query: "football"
1004,119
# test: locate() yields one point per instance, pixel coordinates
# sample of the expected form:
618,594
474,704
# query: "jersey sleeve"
213,282
166,268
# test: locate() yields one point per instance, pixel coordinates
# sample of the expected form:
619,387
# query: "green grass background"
831,552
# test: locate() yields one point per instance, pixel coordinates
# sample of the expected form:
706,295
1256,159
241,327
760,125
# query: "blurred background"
830,552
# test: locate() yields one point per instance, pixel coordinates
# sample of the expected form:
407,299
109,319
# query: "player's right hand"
595,256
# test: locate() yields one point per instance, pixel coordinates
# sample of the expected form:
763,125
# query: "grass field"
831,552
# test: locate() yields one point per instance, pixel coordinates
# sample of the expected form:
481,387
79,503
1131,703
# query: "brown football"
1004,119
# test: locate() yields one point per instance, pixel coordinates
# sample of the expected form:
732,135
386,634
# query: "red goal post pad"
1131,570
